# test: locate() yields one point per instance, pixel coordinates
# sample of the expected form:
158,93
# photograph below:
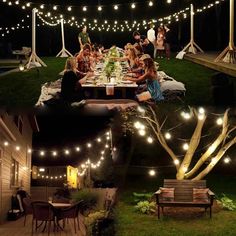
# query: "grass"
131,223
22,89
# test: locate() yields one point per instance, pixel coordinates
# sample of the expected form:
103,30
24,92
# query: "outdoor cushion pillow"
167,194
200,195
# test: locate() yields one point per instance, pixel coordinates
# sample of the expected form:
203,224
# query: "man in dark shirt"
144,43
84,37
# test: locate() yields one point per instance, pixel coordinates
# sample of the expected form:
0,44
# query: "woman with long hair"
151,78
71,89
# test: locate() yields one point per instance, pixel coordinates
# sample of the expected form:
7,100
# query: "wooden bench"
183,195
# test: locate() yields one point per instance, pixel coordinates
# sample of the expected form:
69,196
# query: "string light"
84,8
219,121
150,3
176,162
17,148
142,132
152,173
54,153
227,160
116,7
167,135
133,5
150,140
6,143
42,153
185,146
99,8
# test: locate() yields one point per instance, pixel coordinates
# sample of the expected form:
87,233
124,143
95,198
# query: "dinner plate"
127,82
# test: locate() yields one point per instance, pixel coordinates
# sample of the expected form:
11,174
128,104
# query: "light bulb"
176,162
149,140
116,7
99,8
84,8
54,8
142,132
185,146
219,121
152,172
133,6
167,135
227,160
150,3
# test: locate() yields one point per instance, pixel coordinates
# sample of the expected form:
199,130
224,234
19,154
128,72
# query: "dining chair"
27,207
44,212
71,212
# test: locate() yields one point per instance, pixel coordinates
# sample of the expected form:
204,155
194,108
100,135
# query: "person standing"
160,42
167,40
84,37
144,43
151,35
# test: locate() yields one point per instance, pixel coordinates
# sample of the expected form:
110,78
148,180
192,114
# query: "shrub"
142,196
89,198
146,207
227,203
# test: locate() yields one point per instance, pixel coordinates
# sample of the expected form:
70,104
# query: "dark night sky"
211,31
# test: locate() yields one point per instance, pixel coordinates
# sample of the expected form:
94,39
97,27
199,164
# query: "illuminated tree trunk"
213,154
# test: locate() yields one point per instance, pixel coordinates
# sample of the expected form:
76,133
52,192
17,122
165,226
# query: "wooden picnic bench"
184,193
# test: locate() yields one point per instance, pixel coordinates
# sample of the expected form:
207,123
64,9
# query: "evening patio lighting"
142,132
227,160
185,146
152,173
42,153
29,150
6,143
150,140
54,153
176,162
67,152
167,135
150,4
77,149
116,7
17,148
219,121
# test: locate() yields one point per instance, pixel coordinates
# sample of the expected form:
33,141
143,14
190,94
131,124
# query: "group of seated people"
142,70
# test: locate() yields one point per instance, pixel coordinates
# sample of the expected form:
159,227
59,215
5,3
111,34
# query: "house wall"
22,156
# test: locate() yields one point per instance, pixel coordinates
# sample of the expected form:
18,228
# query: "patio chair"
71,212
27,207
44,212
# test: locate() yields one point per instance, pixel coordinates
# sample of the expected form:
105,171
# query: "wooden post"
192,47
229,54
63,52
34,60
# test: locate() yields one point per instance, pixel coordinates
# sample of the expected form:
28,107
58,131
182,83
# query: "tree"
190,166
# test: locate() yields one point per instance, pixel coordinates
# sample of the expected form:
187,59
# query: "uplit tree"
191,165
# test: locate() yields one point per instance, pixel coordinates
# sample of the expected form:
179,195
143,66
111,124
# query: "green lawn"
131,223
22,89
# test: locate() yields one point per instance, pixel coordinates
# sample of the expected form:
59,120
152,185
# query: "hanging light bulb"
150,4
17,148
227,160
167,135
54,153
77,149
69,8
29,150
67,152
150,140
42,153
89,145
185,146
6,143
176,162
152,172
55,8
116,7
42,6
84,8
99,140
219,121
142,132
99,8
133,5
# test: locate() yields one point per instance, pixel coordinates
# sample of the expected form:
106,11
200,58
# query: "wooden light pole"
229,54
63,52
34,60
192,47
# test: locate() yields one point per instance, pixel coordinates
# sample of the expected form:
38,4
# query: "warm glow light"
169,1
6,143
42,6
201,110
186,115
106,146
108,138
42,153
99,140
17,148
116,7
140,109
227,160
41,170
176,162
219,121
99,8
77,149
67,152
167,135
133,6
142,132
89,145
54,153
54,8
69,8
84,8
185,169
185,146
102,158
201,116
213,161
114,149
29,150
137,125
149,140
150,3
152,172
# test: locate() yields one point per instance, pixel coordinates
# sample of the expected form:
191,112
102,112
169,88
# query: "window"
14,172
19,123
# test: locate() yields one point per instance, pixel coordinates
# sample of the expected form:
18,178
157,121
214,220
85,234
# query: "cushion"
200,195
167,194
